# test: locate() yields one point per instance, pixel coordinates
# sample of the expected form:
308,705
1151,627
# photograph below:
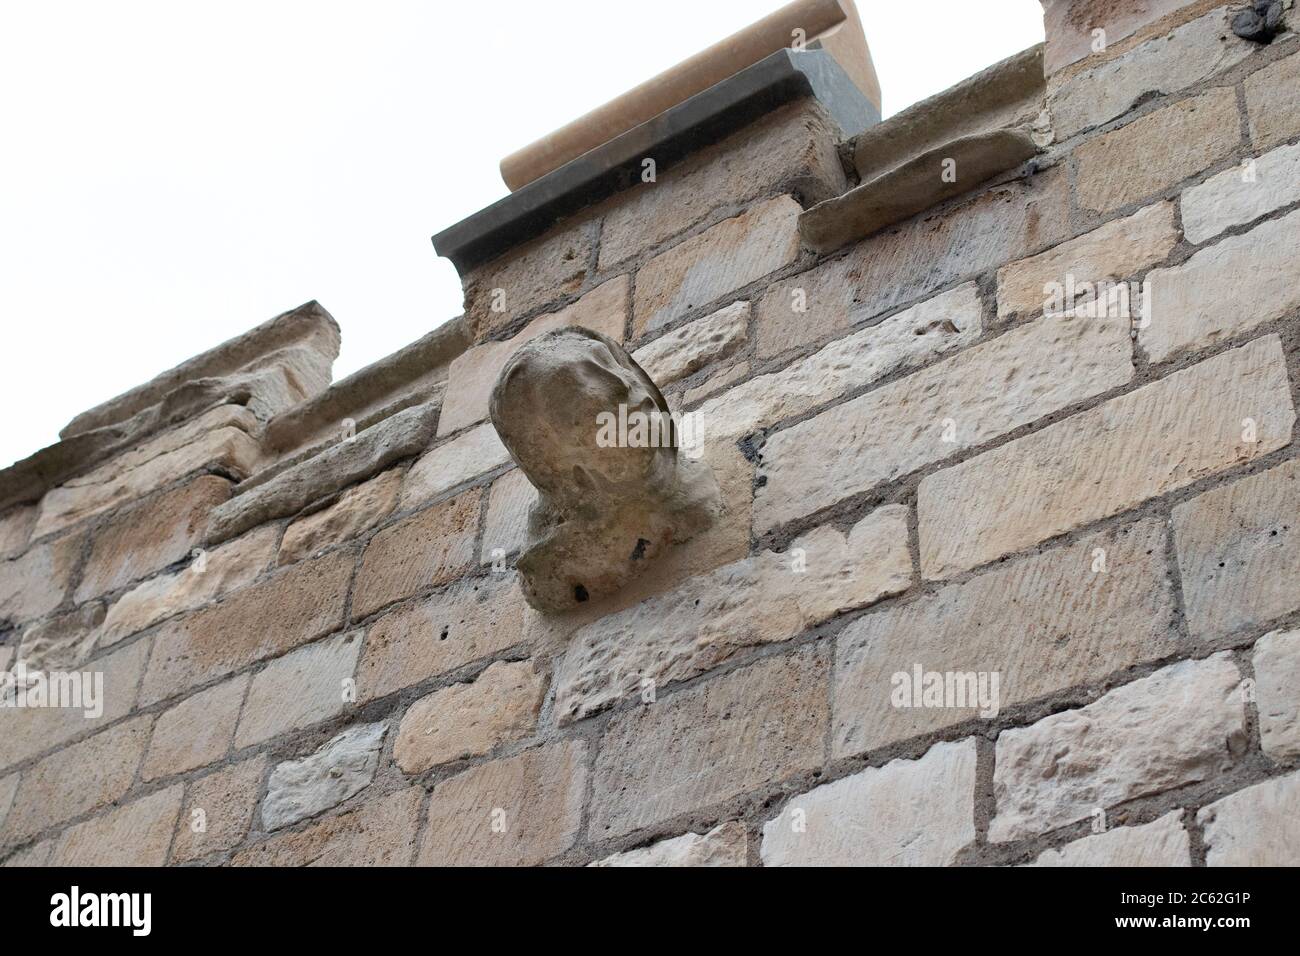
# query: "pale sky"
174,173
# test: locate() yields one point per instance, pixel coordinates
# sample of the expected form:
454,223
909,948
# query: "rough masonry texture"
987,551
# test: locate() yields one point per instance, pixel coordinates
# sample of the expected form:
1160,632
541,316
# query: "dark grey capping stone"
671,136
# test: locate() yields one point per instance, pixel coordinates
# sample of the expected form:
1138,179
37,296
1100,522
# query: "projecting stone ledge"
936,150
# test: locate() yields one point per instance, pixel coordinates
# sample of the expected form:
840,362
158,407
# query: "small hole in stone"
579,593
443,635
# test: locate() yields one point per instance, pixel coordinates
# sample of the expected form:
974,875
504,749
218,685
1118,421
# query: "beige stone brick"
380,832
69,782
1117,250
506,528
137,834
229,450
325,778
1239,552
218,810
466,720
38,854
469,621
358,510
1224,290
1167,63
62,643
686,350
1163,842
25,732
1233,199
748,729
791,146
1183,724
1273,102
261,621
525,279
147,538
518,811
196,732
1257,826
462,459
727,844
1277,693
299,689
715,383
35,583
969,399
718,261
220,571
911,338
16,529
1072,622
914,259
1169,145
1139,446
710,618
906,813
1070,24
424,550
474,373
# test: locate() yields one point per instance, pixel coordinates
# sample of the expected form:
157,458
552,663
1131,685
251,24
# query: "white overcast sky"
173,173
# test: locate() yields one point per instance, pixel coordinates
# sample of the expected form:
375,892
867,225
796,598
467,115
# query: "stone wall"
315,650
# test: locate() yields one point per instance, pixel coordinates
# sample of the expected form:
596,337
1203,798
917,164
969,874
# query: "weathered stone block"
793,147
64,642
1168,63
1257,826
137,834
261,621
526,279
1073,624
139,541
1070,25
358,510
195,732
421,551
506,529
975,396
1237,196
727,844
906,813
519,811
1182,724
16,529
462,459
218,810
686,350
1175,142
1277,693
469,621
1199,303
718,261
34,583
220,571
466,720
747,729
1147,443
473,373
705,621
103,767
1163,842
1117,250
338,771
1239,552
299,689
1273,102
380,832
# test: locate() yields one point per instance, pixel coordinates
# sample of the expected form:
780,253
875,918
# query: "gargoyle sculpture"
594,435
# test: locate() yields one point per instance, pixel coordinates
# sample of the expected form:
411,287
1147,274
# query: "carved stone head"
595,436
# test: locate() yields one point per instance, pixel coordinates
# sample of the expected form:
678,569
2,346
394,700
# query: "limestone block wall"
937,465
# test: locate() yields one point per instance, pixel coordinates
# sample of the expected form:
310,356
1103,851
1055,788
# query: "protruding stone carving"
594,435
